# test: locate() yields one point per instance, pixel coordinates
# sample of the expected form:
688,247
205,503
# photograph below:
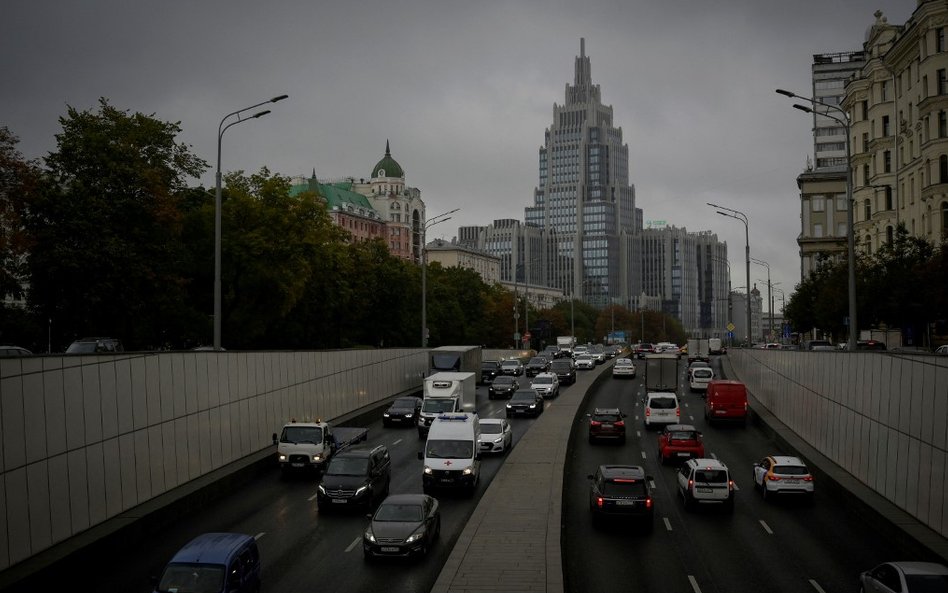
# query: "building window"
818,231
943,169
865,141
944,220
885,125
867,209
840,203
940,39
818,204
841,229
942,124
887,161
865,109
888,197
865,174
942,82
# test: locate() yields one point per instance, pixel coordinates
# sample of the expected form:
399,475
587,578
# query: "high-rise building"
830,74
583,198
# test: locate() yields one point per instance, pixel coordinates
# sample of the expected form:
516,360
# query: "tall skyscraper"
583,195
830,74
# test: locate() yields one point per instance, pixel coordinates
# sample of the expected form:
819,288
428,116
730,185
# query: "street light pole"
850,232
221,128
424,271
737,214
728,264
770,300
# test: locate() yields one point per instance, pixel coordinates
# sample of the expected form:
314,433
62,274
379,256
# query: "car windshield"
489,366
302,434
711,476
503,381
491,428
682,435
561,365
81,348
585,357
524,396
543,380
192,578
510,363
623,362
790,470
662,403
605,418
624,488
703,373
408,513
538,360
348,466
449,449
927,583
436,405
402,404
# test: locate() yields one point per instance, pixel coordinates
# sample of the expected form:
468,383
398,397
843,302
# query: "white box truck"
698,350
457,359
446,393
566,344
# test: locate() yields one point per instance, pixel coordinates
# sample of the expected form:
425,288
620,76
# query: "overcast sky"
463,90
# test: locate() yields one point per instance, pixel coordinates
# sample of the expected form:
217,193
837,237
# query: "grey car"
404,525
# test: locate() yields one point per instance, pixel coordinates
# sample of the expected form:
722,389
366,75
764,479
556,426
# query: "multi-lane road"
782,547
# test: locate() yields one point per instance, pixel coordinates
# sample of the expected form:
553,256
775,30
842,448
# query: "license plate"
339,501
684,454
720,411
446,480
625,503
297,464
604,425
391,549
791,481
705,490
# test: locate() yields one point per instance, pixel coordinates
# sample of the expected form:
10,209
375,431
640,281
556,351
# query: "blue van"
213,563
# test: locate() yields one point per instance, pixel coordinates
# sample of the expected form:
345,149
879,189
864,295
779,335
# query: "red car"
679,442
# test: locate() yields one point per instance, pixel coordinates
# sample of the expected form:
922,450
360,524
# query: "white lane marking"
694,584
259,535
766,527
652,484
499,412
713,456
735,485
638,433
668,524
396,442
643,454
817,586
312,498
354,543
690,417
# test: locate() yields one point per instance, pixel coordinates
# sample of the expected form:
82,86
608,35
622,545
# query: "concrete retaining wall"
85,438
882,417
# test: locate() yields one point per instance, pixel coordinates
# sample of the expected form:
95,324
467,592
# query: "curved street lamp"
770,300
424,271
737,214
850,233
221,128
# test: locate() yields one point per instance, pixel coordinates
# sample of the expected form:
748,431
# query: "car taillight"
648,411
730,484
773,478
595,423
691,483
745,406
807,478
599,502
648,502
678,412
619,423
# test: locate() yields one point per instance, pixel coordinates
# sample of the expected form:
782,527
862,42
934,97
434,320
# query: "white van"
452,453
661,409
700,377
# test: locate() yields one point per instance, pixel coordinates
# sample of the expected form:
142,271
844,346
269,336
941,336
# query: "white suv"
661,409
705,481
546,384
781,474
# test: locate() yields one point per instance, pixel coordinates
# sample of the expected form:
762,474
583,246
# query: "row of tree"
107,238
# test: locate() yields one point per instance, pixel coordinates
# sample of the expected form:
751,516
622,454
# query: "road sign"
517,336
730,326
526,337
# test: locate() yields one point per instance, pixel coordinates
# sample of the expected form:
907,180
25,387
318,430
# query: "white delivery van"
452,453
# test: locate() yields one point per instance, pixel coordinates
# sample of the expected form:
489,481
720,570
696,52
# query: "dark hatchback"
621,492
404,411
525,402
503,387
565,371
490,370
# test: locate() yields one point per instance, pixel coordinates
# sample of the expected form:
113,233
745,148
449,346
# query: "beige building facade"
452,254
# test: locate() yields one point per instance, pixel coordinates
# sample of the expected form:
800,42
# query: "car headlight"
415,536
498,439
385,414
360,490
321,489
317,458
468,471
428,470
509,406
368,535
533,405
408,415
282,457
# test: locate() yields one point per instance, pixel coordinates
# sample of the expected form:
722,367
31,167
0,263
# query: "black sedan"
503,386
403,525
525,402
403,412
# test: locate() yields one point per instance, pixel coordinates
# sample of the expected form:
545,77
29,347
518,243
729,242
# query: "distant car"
679,442
496,435
598,352
565,370
942,349
621,492
780,474
606,423
546,384
624,367
697,364
579,351
404,411
870,345
490,370
644,348
585,362
819,345
355,478
403,525
525,402
503,386
511,367
11,351
95,346
905,577
537,365
552,352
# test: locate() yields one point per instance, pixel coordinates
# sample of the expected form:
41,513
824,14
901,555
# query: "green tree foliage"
18,180
106,227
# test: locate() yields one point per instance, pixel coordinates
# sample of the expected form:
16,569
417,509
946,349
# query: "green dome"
387,167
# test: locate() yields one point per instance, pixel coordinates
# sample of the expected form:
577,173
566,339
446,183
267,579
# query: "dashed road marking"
668,525
396,442
766,527
694,584
354,543
690,417
499,412
638,433
643,454
259,535
817,586
714,456
312,498
735,485
652,484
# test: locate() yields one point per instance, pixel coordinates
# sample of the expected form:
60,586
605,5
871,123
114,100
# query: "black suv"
619,492
537,365
503,386
355,478
606,423
490,370
565,370
404,411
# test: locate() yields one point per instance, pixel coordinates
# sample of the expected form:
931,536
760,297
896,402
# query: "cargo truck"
445,393
456,359
661,373
698,349
566,344
714,346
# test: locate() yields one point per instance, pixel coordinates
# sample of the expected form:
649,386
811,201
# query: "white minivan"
452,453
700,377
661,409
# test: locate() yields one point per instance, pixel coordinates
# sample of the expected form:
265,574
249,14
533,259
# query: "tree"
105,226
